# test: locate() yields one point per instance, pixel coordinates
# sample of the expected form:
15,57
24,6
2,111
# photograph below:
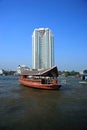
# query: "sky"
67,19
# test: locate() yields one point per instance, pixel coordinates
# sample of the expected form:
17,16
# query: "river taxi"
41,79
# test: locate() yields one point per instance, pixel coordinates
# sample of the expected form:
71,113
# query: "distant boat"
83,82
41,79
83,79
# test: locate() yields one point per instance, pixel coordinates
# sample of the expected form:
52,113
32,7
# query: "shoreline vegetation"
72,73
61,73
8,72
69,73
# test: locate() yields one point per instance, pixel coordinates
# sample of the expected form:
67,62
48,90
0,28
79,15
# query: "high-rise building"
42,48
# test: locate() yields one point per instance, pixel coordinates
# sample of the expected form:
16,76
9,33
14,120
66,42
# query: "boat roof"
84,74
51,72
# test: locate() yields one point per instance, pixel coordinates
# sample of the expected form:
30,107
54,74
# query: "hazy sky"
66,18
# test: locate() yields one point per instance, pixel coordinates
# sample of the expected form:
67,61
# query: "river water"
23,108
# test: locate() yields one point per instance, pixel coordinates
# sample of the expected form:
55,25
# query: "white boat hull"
83,82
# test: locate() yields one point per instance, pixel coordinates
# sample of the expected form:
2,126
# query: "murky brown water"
23,108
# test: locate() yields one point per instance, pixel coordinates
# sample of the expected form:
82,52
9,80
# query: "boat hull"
38,85
83,82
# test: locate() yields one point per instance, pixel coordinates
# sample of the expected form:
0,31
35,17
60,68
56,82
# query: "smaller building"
21,68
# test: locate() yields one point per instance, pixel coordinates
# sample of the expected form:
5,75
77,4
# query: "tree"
85,71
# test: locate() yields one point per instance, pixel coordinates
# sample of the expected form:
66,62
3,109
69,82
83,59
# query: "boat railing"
42,80
48,81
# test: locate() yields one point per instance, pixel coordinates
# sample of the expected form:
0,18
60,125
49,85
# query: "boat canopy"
84,77
52,72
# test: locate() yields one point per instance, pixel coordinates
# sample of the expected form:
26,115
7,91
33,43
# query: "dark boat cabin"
84,77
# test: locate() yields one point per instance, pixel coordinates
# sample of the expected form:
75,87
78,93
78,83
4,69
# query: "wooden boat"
41,79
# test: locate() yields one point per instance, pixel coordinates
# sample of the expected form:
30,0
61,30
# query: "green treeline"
69,73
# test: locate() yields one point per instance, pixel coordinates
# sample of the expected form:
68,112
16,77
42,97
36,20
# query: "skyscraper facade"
42,48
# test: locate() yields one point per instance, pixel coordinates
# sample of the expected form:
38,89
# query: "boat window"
43,81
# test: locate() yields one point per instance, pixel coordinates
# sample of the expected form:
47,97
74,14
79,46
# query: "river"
23,108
